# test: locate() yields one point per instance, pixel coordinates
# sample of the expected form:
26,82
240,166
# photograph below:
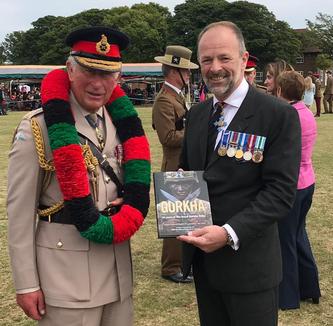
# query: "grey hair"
166,70
227,24
72,61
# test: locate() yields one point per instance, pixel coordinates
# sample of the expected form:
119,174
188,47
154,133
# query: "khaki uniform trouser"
112,314
328,103
171,259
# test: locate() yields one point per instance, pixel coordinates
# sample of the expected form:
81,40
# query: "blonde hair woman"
309,92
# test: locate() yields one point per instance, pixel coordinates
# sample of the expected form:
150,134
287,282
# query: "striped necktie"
93,121
216,122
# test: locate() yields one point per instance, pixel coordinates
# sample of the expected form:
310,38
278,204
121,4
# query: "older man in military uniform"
250,73
73,267
169,112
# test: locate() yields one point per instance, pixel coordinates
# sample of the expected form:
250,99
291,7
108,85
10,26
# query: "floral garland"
71,171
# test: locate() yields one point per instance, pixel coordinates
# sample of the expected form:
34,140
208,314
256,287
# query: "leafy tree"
308,39
265,37
324,61
2,54
284,43
146,25
14,47
323,30
191,17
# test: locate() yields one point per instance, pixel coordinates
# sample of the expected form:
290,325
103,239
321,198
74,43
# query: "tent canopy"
10,72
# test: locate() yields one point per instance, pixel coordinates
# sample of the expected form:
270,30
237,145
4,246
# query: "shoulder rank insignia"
103,47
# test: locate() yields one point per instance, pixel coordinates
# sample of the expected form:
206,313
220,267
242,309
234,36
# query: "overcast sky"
19,14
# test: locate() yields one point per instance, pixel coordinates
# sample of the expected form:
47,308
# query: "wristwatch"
230,241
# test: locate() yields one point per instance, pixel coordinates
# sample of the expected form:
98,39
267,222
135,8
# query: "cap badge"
175,60
103,47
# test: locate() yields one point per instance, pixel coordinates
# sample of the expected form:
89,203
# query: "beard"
225,87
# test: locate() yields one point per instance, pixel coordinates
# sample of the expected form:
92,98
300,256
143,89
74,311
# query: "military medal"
248,154
222,151
258,156
239,152
233,144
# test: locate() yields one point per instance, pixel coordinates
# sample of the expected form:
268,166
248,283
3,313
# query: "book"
181,201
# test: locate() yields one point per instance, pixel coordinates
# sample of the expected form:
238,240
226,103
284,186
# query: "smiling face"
91,88
221,61
270,80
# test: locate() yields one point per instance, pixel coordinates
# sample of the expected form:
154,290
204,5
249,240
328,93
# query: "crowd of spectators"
20,98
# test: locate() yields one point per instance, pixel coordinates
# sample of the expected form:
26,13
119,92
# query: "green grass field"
159,302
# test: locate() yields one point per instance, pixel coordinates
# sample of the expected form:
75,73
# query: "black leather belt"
63,217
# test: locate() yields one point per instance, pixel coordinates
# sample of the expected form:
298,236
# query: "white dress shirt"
231,106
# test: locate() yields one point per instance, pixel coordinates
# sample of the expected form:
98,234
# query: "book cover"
181,201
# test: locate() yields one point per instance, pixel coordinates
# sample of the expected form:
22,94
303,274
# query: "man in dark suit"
248,144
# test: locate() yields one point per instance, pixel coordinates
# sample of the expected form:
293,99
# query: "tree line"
151,27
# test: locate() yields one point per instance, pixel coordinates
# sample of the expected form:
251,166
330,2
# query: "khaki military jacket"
318,88
329,86
168,110
72,271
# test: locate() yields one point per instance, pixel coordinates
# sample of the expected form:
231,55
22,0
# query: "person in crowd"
273,69
203,91
168,119
309,93
318,94
3,110
251,72
236,137
73,267
328,93
300,273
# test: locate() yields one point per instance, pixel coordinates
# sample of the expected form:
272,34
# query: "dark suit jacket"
250,197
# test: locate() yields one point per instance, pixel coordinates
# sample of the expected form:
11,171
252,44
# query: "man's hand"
32,303
208,239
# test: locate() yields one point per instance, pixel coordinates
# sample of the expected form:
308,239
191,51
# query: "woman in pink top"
300,274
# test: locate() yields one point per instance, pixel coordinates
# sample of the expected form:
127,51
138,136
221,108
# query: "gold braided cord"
90,161
89,158
39,143
51,210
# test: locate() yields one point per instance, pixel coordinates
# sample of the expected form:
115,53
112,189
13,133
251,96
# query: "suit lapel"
204,114
241,120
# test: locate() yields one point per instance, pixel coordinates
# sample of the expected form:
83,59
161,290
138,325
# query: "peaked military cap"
177,56
97,47
251,63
